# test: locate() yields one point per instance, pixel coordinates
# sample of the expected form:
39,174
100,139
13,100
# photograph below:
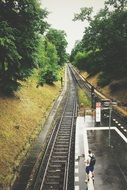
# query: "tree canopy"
105,42
58,38
47,62
21,25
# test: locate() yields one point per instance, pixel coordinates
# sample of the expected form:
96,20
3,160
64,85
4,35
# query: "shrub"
81,60
119,85
103,80
47,76
9,86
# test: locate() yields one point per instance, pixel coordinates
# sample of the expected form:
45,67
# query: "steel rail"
65,186
53,145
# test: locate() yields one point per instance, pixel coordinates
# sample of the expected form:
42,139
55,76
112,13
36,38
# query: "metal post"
92,98
61,82
108,105
110,117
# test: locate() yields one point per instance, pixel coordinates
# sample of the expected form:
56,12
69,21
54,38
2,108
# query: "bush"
103,80
89,61
81,60
47,76
8,87
119,85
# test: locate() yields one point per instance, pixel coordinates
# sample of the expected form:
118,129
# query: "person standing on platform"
90,162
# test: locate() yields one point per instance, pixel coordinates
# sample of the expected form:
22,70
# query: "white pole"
110,116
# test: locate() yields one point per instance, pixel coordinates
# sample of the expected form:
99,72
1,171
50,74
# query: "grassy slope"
21,119
120,93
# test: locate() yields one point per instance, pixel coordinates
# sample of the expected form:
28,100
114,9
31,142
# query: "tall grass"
21,119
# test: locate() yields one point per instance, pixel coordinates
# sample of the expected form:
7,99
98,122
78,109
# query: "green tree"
47,62
85,14
57,37
77,48
117,4
106,39
81,60
9,58
20,22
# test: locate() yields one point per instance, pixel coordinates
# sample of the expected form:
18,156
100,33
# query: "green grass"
83,98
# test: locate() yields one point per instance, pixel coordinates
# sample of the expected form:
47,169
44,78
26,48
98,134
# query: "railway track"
54,168
82,82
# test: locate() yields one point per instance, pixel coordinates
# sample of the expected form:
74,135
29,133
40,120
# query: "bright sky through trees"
62,13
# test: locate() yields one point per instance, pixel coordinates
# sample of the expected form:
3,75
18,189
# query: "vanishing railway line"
54,169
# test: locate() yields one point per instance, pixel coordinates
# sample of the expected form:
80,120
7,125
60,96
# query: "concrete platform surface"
111,162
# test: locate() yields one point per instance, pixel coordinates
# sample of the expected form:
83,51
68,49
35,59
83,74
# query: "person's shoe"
87,180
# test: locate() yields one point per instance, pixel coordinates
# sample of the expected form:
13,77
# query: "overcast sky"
62,13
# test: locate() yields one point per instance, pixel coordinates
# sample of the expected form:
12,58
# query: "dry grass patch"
84,74
93,79
21,120
119,93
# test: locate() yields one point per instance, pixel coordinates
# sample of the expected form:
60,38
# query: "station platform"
110,168
81,151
